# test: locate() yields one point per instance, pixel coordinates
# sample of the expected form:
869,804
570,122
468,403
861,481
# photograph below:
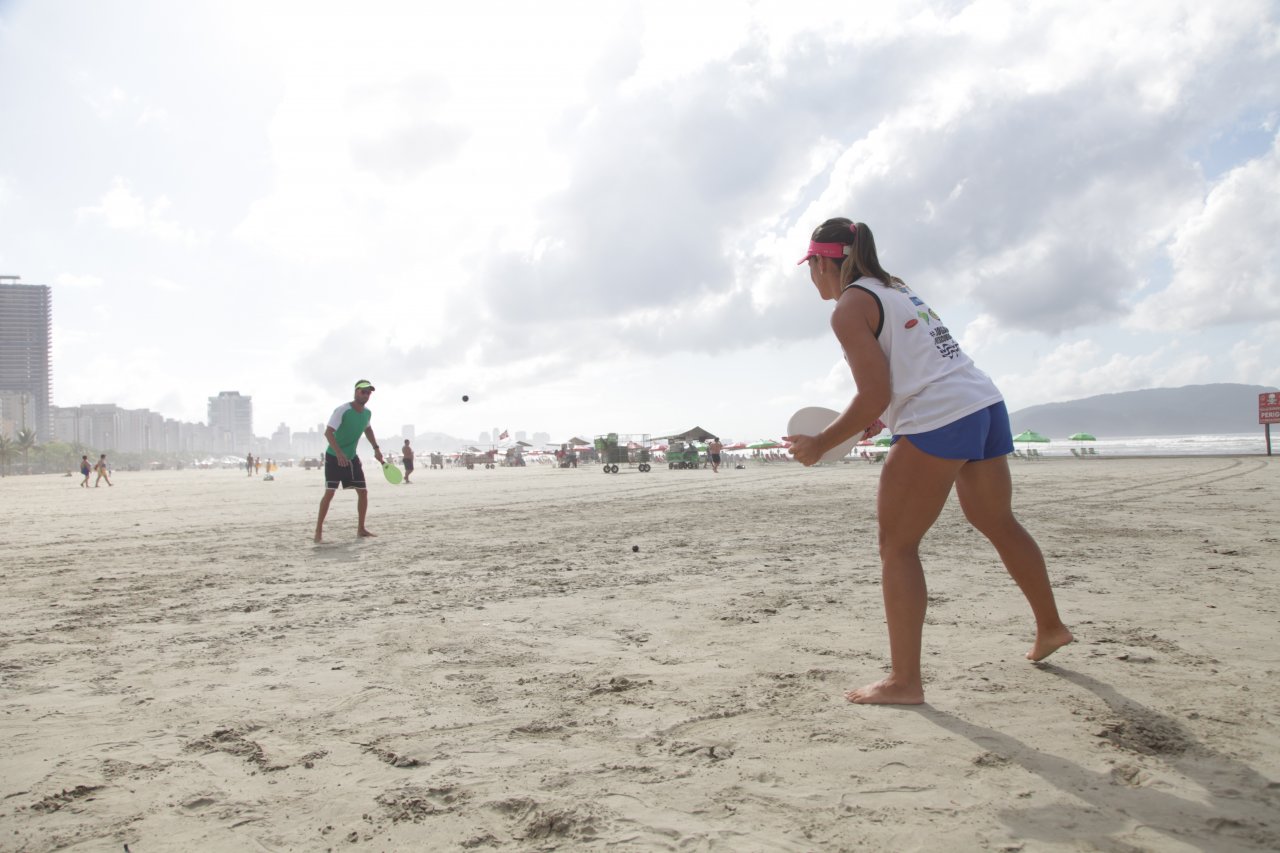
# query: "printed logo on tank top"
947,346
927,316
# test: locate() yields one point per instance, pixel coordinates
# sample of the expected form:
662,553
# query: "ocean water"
1224,444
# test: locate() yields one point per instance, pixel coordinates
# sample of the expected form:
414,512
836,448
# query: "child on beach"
950,428
85,470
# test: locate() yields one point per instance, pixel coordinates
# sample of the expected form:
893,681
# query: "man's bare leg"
913,489
362,507
985,490
324,510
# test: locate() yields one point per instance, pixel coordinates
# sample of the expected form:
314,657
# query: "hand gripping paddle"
811,420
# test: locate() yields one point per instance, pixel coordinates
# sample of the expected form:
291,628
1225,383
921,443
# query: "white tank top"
932,383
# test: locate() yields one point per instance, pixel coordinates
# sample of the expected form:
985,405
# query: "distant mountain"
1190,410
427,442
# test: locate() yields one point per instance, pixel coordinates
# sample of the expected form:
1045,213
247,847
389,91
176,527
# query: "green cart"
631,451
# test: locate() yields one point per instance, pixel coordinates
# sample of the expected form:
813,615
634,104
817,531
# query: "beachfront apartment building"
309,443
106,427
231,419
26,358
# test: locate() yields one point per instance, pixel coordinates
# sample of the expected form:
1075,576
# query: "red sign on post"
1269,408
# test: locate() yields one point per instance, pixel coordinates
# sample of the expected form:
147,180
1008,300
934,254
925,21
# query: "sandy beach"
181,668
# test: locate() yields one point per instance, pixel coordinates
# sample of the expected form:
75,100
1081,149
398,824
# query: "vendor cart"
631,451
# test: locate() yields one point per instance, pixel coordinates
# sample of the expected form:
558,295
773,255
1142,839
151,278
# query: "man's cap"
365,383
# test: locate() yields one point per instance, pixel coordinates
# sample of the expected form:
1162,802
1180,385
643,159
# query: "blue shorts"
985,434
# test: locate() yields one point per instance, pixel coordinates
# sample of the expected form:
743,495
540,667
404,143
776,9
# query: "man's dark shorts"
351,477
408,465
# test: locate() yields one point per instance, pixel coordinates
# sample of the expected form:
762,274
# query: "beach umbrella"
884,442
1082,437
1029,437
765,445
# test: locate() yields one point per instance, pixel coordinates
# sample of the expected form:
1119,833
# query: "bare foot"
318,539
1048,643
887,692
362,533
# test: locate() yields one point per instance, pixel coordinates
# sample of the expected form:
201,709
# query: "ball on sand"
465,398
635,547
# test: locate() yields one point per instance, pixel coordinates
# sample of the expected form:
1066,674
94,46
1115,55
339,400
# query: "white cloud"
1039,200
78,282
121,209
1226,258
1254,359
983,332
1083,368
112,103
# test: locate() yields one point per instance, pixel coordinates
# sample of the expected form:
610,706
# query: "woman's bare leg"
985,490
913,490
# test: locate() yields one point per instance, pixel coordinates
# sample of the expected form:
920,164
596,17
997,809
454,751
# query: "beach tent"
695,434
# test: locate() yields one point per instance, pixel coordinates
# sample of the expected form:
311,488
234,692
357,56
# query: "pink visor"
825,250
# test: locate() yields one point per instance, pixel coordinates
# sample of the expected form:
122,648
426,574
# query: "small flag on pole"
503,436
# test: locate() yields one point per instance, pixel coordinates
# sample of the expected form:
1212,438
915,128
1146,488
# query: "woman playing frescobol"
950,428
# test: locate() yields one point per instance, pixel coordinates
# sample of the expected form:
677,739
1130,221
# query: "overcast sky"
586,216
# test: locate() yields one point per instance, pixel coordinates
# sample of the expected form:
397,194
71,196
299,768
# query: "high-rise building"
281,441
231,420
26,357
